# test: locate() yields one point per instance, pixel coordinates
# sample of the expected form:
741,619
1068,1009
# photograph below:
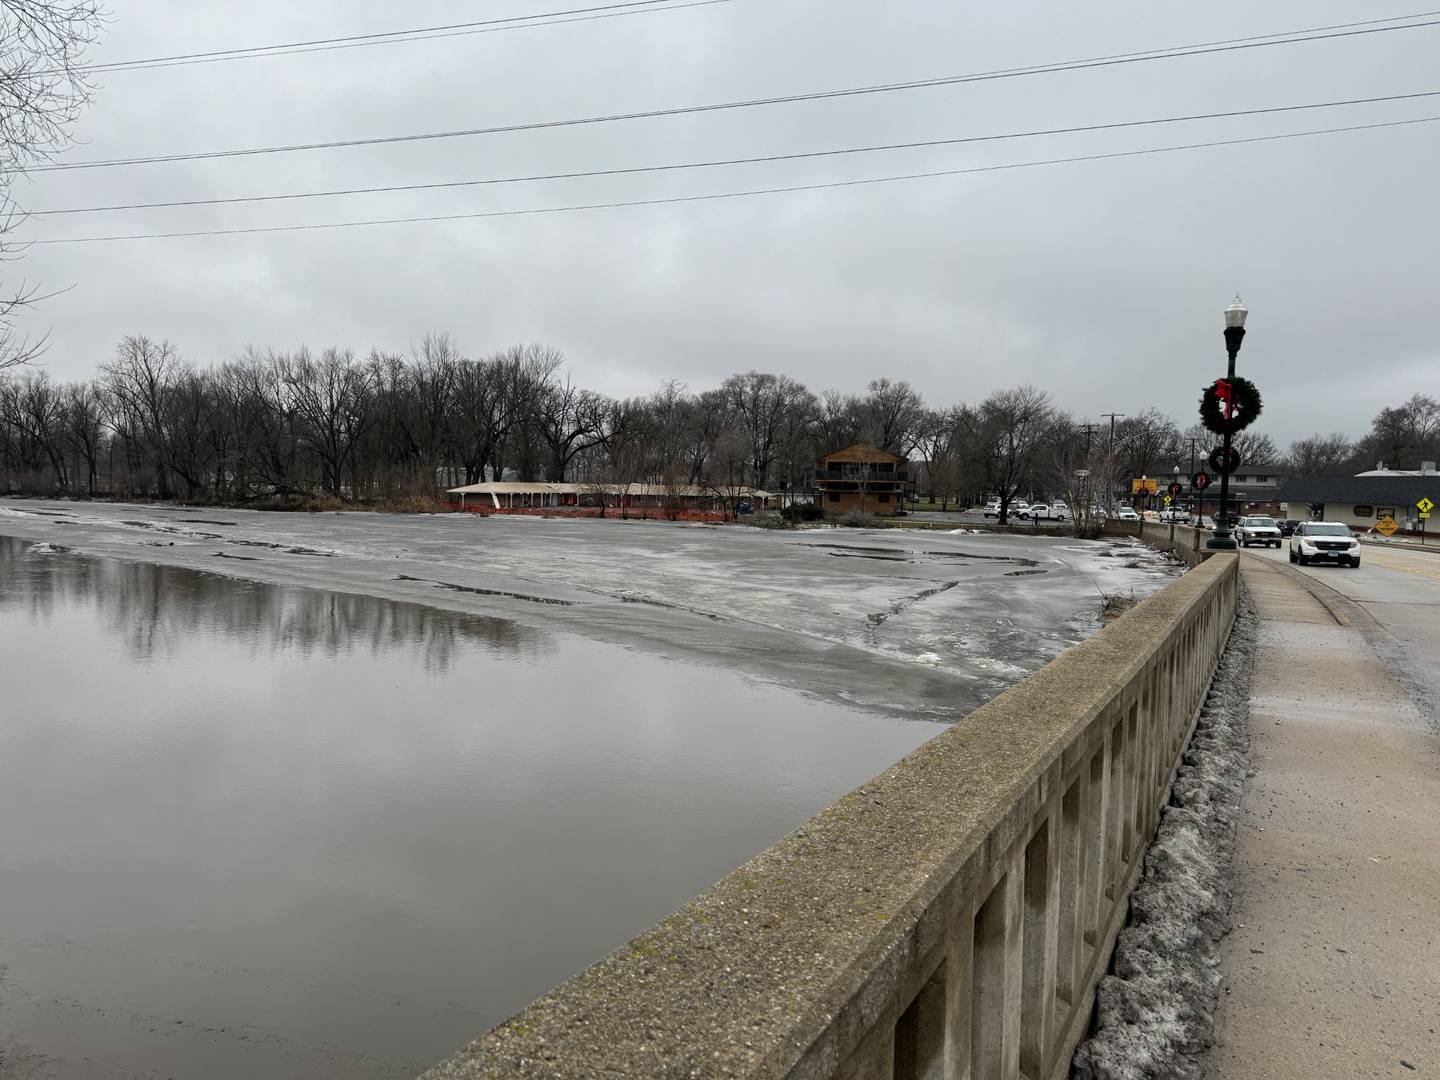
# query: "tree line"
386,426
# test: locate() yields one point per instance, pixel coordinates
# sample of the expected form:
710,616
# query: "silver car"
1257,530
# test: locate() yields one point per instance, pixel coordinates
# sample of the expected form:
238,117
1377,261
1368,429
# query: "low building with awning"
1359,501
504,495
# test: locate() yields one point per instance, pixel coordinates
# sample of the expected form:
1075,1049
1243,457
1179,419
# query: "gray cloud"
1102,282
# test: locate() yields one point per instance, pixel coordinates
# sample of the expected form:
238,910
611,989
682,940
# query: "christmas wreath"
1230,406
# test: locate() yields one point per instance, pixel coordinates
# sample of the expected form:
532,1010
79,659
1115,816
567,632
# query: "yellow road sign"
1388,526
1424,515
1167,500
1425,506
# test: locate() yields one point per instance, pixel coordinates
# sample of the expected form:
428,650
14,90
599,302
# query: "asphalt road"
1400,589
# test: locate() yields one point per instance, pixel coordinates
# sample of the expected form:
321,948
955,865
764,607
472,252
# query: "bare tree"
1014,427
1320,455
568,420
838,424
1402,437
333,400
139,379
763,404
891,415
1144,442
84,419
43,87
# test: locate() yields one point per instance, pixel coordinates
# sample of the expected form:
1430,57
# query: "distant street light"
1235,315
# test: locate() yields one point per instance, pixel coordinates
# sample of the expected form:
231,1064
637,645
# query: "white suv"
1257,530
1324,541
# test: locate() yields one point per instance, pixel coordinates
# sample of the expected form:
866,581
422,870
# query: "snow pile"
1155,1014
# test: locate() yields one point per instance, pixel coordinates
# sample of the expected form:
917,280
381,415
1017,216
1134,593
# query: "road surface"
1400,589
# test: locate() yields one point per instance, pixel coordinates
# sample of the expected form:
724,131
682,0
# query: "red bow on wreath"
1223,391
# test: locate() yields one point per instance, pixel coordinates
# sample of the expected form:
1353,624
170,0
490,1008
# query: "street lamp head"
1235,314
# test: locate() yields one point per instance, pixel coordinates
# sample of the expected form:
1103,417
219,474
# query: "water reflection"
250,831
155,610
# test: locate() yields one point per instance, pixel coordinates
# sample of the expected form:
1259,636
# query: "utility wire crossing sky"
836,283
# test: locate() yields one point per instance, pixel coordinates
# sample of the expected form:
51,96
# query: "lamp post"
1197,510
1235,314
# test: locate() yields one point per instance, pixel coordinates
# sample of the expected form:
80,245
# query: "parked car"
1020,510
1126,513
1288,526
1324,541
1175,516
992,508
1257,530
1042,512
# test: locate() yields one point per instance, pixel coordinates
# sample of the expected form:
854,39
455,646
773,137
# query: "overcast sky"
1102,282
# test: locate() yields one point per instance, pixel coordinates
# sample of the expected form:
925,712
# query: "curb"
1403,545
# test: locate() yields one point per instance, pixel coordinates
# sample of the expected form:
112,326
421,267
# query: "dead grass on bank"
1113,605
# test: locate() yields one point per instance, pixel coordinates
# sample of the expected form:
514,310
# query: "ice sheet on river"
905,622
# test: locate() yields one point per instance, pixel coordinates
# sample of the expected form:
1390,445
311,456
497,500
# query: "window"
884,497
1386,511
834,496
1364,511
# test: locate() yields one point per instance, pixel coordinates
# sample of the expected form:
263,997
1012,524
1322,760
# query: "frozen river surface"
337,827
918,624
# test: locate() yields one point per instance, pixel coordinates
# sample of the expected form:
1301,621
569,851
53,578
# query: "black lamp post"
1221,539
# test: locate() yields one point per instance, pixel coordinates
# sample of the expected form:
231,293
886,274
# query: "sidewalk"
1333,969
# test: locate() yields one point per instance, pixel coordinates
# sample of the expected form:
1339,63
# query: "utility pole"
1199,512
1113,416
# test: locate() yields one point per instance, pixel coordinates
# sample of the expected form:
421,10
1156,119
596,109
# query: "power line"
817,95
398,37
765,159
425,33
713,196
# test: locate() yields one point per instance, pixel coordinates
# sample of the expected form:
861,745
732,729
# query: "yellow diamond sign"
1425,506
1387,526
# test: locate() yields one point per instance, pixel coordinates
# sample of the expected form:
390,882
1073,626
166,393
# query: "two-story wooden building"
862,477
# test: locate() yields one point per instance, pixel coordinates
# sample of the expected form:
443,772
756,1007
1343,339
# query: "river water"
250,830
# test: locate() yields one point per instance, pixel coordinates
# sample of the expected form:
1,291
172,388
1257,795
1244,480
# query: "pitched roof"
1352,490
689,491
1246,470
861,452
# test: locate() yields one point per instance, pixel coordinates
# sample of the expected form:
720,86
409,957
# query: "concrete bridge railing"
1184,542
950,918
